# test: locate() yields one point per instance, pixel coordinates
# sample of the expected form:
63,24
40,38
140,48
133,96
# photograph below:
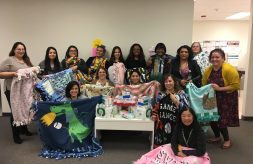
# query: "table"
120,123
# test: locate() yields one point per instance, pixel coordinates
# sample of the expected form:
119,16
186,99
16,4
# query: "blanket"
22,95
164,154
66,129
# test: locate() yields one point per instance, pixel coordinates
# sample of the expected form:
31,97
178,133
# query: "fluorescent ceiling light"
239,15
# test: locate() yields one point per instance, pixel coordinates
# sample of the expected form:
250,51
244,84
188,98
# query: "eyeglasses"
72,51
19,49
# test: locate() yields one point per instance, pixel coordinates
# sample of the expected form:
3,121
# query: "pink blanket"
164,154
146,89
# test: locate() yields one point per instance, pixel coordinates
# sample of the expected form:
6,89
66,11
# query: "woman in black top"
73,61
184,68
51,64
136,57
188,133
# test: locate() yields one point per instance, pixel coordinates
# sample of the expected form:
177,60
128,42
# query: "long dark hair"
131,54
69,87
112,59
189,51
57,66
67,52
25,56
195,123
176,85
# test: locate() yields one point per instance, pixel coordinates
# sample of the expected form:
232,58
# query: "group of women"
189,65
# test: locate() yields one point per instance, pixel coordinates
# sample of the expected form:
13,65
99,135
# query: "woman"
165,112
73,61
98,61
18,59
200,56
135,77
117,67
187,143
188,133
102,78
225,81
72,91
136,57
159,64
116,56
184,68
51,63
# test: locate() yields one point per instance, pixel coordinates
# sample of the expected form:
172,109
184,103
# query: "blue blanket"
67,128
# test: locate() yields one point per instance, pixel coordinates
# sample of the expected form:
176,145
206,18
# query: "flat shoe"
227,146
213,140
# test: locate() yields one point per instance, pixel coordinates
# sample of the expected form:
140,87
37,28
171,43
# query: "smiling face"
136,51
117,54
169,84
101,74
216,59
74,92
160,51
99,52
187,118
184,54
19,51
72,52
135,78
52,54
196,48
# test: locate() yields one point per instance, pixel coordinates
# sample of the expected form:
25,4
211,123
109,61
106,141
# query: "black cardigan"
193,67
196,141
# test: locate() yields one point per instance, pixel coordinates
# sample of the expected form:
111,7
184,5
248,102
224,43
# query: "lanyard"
186,141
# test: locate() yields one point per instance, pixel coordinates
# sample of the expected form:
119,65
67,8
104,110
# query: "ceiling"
219,9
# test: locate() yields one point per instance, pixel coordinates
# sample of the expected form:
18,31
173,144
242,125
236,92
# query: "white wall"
60,23
224,30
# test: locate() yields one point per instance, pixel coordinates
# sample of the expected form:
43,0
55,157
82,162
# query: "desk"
124,124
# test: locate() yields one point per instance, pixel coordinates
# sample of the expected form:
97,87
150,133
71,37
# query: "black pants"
217,131
15,130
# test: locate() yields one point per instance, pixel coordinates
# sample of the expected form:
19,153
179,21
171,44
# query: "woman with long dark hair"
136,57
51,63
18,59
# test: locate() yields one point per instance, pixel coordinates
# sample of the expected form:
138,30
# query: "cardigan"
229,74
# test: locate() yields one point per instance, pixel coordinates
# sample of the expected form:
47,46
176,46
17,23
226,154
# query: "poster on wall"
231,48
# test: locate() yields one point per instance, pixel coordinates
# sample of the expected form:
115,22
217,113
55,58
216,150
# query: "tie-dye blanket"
149,89
91,90
52,87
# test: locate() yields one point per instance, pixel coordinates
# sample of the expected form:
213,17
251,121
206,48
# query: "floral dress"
227,102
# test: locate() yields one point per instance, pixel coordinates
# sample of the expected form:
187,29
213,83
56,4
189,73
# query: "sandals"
226,146
214,140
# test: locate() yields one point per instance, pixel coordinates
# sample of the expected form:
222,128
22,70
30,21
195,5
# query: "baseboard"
6,114
247,118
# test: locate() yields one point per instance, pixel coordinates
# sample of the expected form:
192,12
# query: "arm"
8,75
197,74
82,66
174,140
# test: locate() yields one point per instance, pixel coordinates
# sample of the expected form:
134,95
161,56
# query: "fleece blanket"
22,95
66,129
164,154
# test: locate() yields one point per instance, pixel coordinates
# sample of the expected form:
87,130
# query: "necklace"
186,141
